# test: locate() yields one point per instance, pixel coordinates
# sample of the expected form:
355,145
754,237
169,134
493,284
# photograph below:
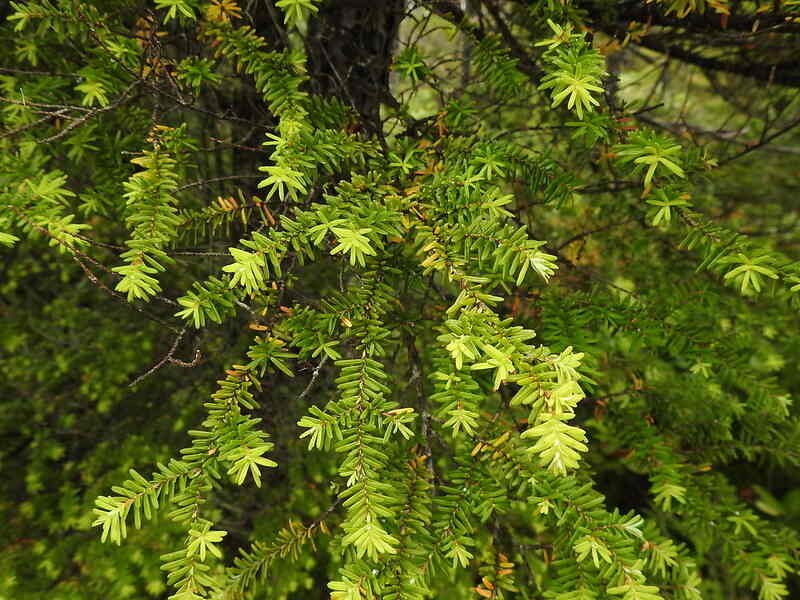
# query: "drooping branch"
783,73
709,21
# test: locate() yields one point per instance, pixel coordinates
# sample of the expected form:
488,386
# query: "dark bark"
350,45
709,21
762,47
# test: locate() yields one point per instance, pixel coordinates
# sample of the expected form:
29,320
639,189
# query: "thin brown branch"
26,102
314,375
47,117
215,180
526,64
416,379
77,255
747,25
40,73
78,122
679,128
765,140
169,357
785,73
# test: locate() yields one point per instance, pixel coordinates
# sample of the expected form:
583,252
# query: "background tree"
399,299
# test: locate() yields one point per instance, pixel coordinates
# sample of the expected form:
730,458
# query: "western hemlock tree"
399,300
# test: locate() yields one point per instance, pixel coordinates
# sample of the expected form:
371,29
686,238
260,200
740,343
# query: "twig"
240,146
42,73
253,313
197,253
763,142
168,357
723,136
425,413
314,376
47,117
77,255
216,179
182,363
78,122
646,109
526,64
27,102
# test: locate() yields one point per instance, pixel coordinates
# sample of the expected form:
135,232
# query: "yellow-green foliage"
507,342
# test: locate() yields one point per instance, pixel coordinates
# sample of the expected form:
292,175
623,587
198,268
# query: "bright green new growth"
362,423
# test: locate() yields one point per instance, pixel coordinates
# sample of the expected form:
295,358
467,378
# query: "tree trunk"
350,46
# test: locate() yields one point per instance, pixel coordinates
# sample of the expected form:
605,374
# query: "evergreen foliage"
529,332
